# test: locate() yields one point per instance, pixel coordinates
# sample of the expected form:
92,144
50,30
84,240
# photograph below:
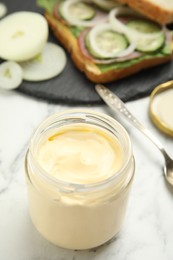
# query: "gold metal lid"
161,113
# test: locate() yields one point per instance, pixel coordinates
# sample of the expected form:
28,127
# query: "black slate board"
73,87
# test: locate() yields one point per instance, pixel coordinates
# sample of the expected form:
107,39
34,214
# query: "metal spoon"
118,106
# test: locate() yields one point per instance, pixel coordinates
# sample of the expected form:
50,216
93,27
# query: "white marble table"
147,233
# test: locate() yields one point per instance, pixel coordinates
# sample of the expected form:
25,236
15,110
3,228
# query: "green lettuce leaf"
47,5
76,30
126,64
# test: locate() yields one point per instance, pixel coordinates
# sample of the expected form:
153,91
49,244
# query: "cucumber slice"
144,26
104,42
106,5
109,42
11,75
82,11
22,35
147,44
3,10
78,10
46,65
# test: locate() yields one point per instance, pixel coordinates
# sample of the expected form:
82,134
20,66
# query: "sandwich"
106,40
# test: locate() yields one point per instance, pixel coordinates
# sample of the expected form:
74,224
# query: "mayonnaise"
79,169
162,107
77,154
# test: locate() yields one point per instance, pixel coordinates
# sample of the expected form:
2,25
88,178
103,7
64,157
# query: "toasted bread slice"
160,11
91,70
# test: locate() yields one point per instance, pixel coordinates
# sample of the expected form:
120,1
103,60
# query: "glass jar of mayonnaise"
79,169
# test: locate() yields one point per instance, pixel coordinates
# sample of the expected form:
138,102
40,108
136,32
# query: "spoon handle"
117,105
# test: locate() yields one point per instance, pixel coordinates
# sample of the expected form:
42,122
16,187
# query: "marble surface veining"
147,233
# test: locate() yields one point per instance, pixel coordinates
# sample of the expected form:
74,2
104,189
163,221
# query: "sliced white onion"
22,35
132,34
11,75
3,10
46,65
107,4
92,38
65,7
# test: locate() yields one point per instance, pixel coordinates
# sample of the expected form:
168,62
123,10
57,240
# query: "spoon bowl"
168,170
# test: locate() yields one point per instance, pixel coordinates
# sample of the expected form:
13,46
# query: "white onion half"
22,35
132,34
65,8
3,10
48,64
92,38
11,75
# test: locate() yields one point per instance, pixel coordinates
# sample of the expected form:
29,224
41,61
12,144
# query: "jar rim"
85,114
